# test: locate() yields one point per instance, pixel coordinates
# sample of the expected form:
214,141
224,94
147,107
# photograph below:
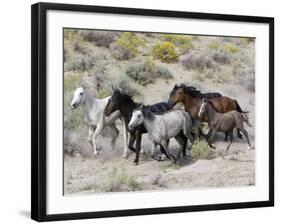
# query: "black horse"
125,104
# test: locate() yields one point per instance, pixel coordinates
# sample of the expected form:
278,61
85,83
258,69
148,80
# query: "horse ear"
140,106
176,86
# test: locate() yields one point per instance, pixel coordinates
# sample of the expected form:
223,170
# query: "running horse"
121,101
192,100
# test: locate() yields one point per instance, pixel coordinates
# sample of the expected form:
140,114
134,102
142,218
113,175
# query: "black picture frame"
39,122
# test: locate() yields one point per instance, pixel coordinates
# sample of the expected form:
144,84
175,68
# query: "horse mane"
190,90
211,103
147,113
126,98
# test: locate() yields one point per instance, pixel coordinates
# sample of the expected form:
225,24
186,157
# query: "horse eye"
81,93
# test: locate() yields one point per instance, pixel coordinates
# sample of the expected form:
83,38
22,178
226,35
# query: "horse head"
176,95
113,103
78,97
137,117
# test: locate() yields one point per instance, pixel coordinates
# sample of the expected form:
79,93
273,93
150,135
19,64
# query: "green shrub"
72,35
200,150
121,53
221,57
180,41
80,47
214,45
78,62
131,42
230,48
118,180
71,82
146,71
100,38
123,82
246,40
70,149
196,61
165,52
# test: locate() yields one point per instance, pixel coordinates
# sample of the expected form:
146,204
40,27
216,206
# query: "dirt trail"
84,173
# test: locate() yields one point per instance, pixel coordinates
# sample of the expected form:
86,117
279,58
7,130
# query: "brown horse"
192,100
224,122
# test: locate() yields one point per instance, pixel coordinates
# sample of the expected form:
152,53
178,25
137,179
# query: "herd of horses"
162,121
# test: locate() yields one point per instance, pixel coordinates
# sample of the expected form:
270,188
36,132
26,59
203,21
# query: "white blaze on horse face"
137,119
77,97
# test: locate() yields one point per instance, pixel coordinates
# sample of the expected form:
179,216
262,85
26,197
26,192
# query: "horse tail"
246,119
238,108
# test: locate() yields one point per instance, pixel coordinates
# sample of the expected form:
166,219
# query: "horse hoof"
96,154
250,148
125,155
155,158
135,163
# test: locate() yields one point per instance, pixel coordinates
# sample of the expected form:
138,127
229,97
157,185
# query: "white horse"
96,120
162,127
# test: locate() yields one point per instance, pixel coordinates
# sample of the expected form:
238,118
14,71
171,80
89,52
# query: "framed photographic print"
139,111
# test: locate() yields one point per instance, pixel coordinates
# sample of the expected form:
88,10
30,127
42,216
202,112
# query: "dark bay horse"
192,100
225,122
126,105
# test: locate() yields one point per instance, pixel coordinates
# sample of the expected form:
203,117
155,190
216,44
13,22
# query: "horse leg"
200,133
90,134
162,149
245,133
182,140
230,134
98,130
239,135
131,142
114,135
125,133
153,147
213,132
208,134
164,144
138,146
226,136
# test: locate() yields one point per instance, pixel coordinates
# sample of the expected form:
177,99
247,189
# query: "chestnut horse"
192,100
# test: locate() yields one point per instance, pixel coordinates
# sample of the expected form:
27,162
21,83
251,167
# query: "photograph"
148,111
